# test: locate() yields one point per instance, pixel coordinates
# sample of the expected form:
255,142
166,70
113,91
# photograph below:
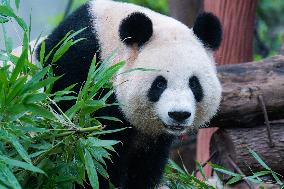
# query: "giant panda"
182,94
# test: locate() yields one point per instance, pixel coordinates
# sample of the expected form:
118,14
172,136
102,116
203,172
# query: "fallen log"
233,144
243,84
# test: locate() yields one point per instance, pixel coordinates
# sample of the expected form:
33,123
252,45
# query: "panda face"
182,93
175,106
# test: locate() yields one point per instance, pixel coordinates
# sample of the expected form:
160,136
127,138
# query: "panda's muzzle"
179,116
175,128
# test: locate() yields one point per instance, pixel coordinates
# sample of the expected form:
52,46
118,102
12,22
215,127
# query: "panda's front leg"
146,163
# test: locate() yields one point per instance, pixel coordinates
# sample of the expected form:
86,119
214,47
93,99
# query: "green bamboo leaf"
176,167
19,65
109,131
105,78
42,53
7,11
17,111
61,51
55,47
17,3
20,149
2,186
101,169
8,41
41,84
109,118
91,170
101,143
74,109
40,111
7,177
279,182
200,168
223,170
258,158
23,165
234,179
16,88
259,174
33,98
3,19
74,34
99,154
3,77
64,98
39,76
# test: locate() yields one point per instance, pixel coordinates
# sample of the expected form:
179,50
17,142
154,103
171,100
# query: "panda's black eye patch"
196,88
157,88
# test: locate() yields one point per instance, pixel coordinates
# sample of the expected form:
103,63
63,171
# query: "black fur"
157,89
196,88
179,116
137,28
208,29
74,65
131,167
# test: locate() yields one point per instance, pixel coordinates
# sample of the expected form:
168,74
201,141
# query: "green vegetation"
41,146
270,28
179,178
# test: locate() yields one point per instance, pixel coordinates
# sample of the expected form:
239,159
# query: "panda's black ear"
137,28
208,29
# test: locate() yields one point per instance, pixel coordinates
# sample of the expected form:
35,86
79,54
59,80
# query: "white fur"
176,54
174,51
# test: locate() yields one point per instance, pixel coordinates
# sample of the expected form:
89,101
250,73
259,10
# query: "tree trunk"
236,142
237,18
243,84
185,10
282,48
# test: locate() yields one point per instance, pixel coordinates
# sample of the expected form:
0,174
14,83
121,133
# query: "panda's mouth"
175,128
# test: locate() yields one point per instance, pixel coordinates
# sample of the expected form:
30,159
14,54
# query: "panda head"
183,92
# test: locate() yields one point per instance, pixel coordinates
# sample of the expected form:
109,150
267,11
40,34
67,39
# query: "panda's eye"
196,88
160,85
157,88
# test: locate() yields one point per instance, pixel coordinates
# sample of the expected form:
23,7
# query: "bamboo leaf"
7,177
223,170
17,3
42,53
234,179
23,165
20,149
109,118
101,143
200,168
40,111
7,11
258,158
33,98
91,170
19,65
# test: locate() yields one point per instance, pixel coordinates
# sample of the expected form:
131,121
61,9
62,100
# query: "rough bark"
235,142
185,10
282,48
237,18
242,84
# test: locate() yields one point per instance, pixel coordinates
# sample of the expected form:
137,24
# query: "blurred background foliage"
269,27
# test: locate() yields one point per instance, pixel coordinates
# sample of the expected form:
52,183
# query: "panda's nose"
179,116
